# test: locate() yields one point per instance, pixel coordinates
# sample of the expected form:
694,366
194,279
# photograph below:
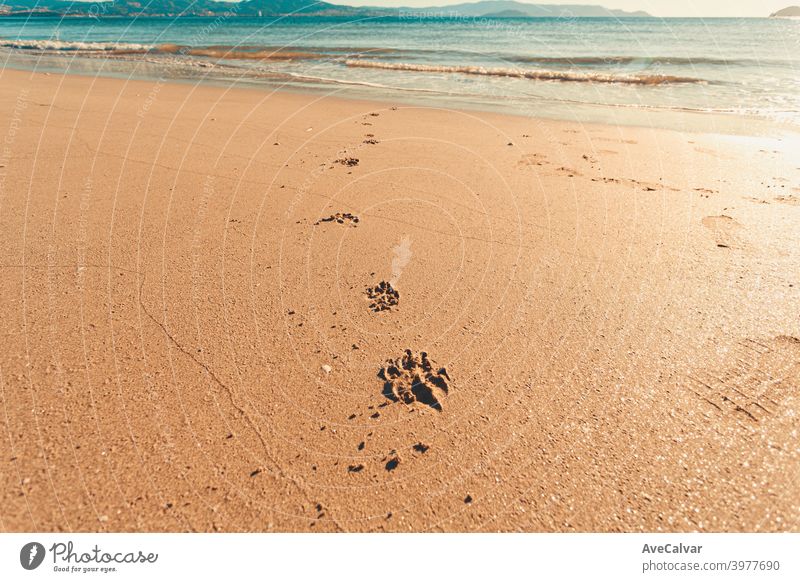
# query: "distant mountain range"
790,11
483,9
511,9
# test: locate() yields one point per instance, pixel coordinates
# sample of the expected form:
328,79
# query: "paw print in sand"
340,218
413,378
348,161
383,296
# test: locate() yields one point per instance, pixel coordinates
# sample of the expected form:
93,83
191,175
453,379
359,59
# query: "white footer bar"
390,557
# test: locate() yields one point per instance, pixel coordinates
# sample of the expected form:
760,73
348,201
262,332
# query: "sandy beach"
207,296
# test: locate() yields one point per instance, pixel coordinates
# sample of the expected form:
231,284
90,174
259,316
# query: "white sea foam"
534,74
63,45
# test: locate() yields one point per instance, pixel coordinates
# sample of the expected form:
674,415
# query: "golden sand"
188,342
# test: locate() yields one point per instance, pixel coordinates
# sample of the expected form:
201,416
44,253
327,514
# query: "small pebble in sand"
326,368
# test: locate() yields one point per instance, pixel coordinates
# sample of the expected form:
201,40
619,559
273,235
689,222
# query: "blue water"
580,68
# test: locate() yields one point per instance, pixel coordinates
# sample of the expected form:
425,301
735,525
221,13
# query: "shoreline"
677,119
197,338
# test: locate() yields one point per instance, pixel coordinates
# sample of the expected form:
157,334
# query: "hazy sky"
654,7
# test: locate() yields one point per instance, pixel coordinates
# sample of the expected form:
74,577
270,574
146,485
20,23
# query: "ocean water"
593,69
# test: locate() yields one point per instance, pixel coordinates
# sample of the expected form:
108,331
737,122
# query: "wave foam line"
63,45
535,74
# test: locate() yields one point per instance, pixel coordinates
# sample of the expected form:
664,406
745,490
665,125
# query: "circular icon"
31,555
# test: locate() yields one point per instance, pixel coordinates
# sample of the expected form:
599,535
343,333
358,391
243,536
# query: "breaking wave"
631,60
535,74
228,52
62,45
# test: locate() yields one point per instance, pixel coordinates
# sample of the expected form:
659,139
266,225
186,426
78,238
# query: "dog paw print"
340,218
382,297
415,378
350,162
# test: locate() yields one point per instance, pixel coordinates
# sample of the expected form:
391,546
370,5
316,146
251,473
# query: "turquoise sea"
596,69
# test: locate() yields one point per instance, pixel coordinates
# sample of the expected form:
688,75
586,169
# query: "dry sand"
188,345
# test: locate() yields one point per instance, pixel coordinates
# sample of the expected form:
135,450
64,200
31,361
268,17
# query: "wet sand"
207,296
